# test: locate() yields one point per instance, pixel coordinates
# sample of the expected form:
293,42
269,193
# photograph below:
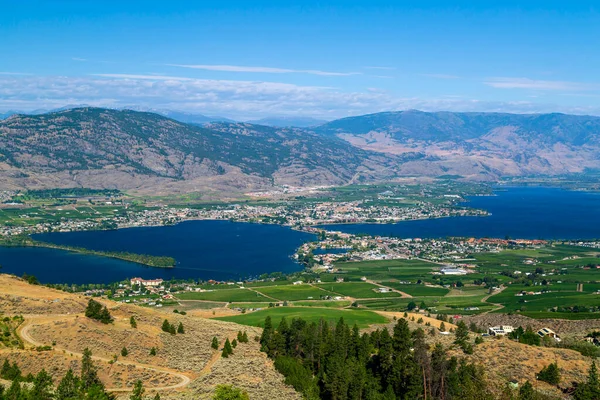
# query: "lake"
517,212
227,250
203,249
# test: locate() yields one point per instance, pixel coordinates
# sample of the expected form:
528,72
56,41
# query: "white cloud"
14,73
79,59
267,70
526,83
231,98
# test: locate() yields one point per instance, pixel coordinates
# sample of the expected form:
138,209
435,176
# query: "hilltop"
477,145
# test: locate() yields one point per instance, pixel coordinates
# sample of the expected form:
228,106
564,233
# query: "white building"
500,330
144,282
453,271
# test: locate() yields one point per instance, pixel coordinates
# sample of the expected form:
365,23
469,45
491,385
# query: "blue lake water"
228,250
518,212
203,249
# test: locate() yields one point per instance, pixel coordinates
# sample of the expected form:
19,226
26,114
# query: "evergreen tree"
589,390
166,326
172,329
461,335
550,374
234,343
14,391
124,351
153,351
180,328
138,391
215,343
42,386
133,322
244,337
526,392
267,335
442,327
227,350
68,388
89,372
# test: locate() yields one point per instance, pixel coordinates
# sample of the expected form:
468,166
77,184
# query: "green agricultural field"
358,290
381,270
294,292
362,318
397,304
418,290
229,295
323,303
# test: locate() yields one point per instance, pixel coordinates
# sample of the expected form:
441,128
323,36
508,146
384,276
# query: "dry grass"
505,359
61,322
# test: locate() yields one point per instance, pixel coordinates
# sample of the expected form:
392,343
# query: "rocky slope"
477,145
125,149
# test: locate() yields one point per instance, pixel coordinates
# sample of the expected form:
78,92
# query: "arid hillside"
54,333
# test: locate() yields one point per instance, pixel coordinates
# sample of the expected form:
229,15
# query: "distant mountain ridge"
282,122
148,152
126,149
477,145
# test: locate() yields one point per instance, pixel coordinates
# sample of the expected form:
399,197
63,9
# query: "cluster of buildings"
503,330
450,252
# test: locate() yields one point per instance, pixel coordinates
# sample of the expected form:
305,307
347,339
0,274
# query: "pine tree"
550,374
42,386
442,327
14,390
245,337
166,326
180,328
89,373
227,350
461,335
124,351
138,391
172,329
267,335
68,387
526,392
215,343
133,322
153,351
234,343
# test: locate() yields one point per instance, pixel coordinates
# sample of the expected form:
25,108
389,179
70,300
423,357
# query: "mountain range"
126,149
148,152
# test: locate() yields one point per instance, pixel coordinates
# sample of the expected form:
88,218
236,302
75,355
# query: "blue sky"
250,59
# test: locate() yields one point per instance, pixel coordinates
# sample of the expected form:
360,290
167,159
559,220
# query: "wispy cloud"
14,73
441,76
79,59
526,83
266,70
234,98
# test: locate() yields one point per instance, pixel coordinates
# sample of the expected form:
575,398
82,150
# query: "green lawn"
417,290
362,318
228,295
358,290
294,292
